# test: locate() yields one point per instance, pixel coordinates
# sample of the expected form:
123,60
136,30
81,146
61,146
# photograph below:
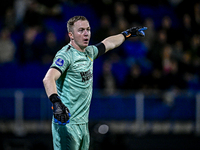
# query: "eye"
81,30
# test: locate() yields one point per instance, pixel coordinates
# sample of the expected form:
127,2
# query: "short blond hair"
74,19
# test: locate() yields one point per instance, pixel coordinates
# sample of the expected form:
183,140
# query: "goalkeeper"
68,82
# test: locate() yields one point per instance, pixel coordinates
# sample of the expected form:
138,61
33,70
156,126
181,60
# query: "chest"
82,63
81,69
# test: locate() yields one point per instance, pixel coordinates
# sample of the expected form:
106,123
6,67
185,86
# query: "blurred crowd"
167,58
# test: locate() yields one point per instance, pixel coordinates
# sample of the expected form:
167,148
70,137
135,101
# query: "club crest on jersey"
59,62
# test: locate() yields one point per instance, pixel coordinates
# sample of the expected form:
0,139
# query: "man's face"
81,33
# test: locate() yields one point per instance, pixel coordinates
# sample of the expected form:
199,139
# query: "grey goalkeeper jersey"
76,81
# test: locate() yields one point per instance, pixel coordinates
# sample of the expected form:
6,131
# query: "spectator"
9,19
185,63
154,54
166,59
195,49
195,45
135,80
197,16
50,8
51,46
150,34
166,25
33,13
29,49
133,15
178,50
107,81
104,29
7,47
121,24
174,79
156,81
119,10
187,31
20,7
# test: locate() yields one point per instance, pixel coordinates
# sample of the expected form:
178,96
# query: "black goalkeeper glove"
134,31
60,111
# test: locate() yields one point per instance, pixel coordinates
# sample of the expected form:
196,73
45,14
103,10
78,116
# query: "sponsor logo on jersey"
59,62
86,75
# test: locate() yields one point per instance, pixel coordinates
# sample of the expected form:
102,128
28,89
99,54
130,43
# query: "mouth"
86,40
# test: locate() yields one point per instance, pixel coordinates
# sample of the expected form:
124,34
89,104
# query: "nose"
86,32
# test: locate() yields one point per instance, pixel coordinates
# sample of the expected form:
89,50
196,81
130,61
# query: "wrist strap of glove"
54,98
126,34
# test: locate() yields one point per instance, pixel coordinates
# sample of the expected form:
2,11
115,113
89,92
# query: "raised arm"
112,42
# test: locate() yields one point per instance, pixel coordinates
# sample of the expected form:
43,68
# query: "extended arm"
112,42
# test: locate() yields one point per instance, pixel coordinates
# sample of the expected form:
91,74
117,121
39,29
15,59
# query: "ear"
71,35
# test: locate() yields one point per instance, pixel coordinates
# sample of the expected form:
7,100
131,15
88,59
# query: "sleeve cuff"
57,69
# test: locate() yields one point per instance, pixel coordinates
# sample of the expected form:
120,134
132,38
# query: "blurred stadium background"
146,92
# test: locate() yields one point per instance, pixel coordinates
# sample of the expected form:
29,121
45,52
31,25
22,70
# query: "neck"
76,46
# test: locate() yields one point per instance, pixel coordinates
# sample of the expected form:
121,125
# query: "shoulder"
64,54
65,51
62,59
91,49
